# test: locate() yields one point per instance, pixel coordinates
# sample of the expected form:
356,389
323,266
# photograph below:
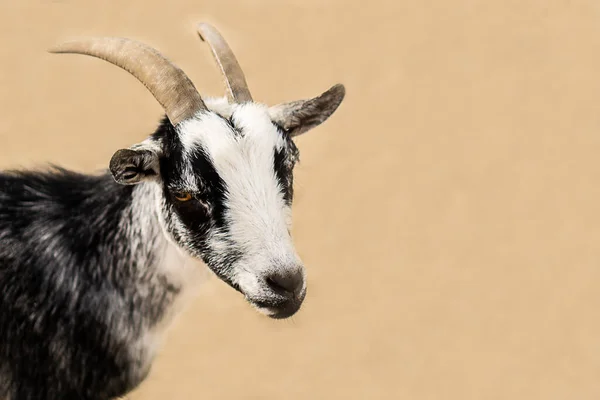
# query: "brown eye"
183,196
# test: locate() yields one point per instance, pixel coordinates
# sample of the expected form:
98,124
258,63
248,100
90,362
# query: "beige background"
448,213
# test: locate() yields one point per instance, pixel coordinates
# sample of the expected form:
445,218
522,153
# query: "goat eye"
183,196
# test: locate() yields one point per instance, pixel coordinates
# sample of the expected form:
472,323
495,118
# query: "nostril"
275,284
286,283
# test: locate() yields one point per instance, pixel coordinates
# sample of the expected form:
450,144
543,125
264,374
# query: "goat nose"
287,283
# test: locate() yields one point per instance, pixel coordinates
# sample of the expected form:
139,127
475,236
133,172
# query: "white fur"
219,105
181,270
257,214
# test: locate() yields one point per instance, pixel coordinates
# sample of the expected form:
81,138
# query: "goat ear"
300,116
130,167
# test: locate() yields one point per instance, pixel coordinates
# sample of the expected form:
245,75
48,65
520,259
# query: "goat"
93,268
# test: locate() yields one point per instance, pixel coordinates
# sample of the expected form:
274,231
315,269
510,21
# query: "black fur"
284,161
69,276
56,339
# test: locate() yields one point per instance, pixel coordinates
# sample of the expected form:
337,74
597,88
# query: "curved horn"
237,88
167,83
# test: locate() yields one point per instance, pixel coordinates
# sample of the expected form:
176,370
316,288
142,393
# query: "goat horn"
237,88
168,84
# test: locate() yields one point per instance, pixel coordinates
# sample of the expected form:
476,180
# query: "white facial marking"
258,217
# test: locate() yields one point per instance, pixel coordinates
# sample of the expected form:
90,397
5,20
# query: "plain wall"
448,213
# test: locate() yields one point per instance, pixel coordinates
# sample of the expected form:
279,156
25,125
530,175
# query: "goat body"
86,285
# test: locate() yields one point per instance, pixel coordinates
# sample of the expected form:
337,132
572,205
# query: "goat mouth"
281,312
277,308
